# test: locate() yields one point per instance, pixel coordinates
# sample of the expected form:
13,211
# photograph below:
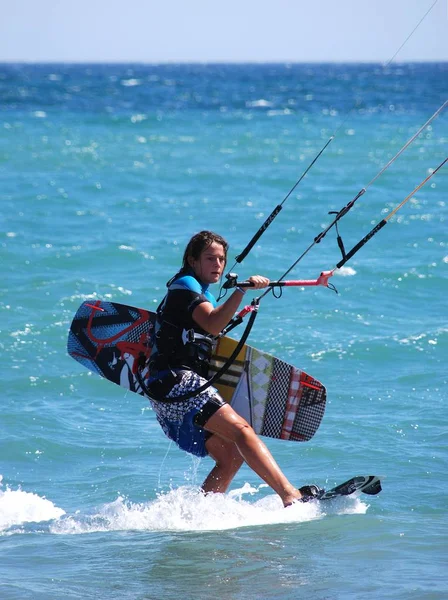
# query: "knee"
245,435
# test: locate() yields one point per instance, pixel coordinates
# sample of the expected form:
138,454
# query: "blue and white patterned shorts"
177,418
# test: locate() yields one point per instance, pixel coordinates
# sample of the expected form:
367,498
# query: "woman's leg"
226,423
228,461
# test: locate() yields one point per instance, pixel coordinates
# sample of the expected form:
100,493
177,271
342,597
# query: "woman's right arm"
213,320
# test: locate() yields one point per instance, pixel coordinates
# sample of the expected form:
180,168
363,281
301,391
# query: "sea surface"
106,171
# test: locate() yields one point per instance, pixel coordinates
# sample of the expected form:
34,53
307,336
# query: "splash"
187,509
18,507
182,509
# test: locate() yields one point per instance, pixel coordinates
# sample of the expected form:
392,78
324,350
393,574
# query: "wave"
18,507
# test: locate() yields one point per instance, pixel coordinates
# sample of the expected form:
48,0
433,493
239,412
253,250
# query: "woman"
204,424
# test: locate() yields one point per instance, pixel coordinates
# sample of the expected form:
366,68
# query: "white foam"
345,272
131,82
183,509
262,103
18,507
187,509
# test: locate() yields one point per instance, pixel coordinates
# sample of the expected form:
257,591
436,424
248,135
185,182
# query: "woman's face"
211,263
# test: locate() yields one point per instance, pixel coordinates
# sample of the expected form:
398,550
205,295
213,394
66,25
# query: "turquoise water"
106,173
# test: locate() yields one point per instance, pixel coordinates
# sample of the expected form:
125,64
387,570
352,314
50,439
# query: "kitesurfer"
188,319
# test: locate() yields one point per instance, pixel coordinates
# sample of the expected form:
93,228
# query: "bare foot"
291,498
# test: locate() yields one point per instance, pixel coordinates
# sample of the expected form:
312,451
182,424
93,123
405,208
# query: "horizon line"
217,62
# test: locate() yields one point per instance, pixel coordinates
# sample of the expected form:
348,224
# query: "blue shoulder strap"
188,282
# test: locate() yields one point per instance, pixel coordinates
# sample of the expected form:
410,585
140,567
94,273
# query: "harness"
178,346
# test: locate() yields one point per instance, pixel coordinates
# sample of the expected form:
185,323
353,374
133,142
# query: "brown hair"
198,243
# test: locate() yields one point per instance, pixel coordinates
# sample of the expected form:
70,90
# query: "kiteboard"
277,399
367,484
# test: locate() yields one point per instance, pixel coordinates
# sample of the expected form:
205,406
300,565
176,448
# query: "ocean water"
106,172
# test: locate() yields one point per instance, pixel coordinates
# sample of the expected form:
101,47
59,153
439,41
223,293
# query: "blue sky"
216,31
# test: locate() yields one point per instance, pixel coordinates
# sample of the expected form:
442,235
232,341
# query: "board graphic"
277,399
367,484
